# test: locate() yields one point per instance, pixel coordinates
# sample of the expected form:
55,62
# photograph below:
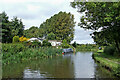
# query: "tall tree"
61,24
17,27
103,18
32,32
6,36
51,36
10,28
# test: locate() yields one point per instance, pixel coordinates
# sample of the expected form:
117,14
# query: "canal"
79,65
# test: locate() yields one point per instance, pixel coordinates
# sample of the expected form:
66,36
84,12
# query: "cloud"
34,12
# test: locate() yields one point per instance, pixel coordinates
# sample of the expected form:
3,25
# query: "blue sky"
34,12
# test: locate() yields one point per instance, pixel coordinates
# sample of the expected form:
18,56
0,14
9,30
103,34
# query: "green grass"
108,61
100,51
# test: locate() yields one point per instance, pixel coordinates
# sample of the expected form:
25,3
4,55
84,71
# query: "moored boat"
68,50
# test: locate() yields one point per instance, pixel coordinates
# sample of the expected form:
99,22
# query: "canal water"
79,65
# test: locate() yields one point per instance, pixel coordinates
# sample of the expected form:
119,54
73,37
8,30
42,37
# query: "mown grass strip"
111,65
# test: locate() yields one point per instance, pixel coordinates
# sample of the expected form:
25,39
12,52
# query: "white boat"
68,50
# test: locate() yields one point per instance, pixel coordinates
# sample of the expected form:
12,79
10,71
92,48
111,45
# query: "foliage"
108,61
16,26
65,44
103,18
32,32
74,44
109,50
27,43
51,36
12,48
15,39
86,47
22,39
6,35
100,51
10,28
36,44
61,25
46,43
13,53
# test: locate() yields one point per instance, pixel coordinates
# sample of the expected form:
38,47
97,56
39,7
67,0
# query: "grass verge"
109,62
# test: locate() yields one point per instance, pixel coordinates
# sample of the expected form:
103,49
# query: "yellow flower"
22,39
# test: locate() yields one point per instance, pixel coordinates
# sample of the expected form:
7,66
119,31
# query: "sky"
35,12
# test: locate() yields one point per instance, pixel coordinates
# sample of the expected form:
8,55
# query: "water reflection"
32,74
79,65
84,65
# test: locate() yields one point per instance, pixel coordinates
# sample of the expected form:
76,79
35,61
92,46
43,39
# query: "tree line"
10,28
58,27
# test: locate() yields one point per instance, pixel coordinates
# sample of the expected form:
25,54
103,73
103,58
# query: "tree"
65,44
10,28
51,36
32,32
103,18
46,43
74,44
6,35
61,25
17,27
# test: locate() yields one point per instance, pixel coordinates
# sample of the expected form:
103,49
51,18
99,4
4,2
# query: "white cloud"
34,12
33,8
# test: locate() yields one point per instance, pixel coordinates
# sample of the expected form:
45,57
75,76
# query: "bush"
27,43
51,36
15,39
46,43
12,48
65,44
17,52
22,39
33,44
36,44
74,44
109,50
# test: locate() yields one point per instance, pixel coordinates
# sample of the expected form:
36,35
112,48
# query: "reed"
13,53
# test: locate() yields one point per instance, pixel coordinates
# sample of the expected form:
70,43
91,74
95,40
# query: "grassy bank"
86,47
112,63
0,61
13,53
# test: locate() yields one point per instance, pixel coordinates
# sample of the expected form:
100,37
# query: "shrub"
22,39
12,49
36,44
74,44
17,52
51,36
15,39
46,43
33,44
109,50
27,43
65,44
